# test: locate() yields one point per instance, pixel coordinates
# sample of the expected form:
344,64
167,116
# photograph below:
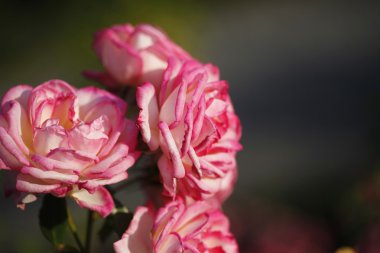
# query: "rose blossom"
132,55
196,228
190,117
60,140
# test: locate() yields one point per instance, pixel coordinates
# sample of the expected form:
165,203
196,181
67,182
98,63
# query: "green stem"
90,222
74,232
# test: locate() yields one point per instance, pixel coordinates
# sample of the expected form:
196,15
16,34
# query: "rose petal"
18,125
120,60
168,181
10,153
136,238
25,198
172,244
119,152
53,177
122,166
148,117
129,134
19,93
114,138
92,184
90,97
179,169
100,201
153,66
27,183
88,137
48,138
77,160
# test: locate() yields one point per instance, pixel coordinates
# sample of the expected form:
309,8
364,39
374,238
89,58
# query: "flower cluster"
73,142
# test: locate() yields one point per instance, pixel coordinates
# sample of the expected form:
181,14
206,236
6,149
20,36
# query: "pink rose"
64,141
132,55
199,227
189,116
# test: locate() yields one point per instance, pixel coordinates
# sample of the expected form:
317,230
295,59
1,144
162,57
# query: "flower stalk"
74,231
90,224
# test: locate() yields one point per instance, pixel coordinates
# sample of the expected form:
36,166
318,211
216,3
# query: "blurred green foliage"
45,39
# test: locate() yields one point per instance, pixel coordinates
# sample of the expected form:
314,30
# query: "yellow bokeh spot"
346,250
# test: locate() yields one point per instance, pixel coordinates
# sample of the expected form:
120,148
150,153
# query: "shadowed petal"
100,201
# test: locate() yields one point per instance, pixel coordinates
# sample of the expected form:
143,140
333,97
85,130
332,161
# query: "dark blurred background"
304,77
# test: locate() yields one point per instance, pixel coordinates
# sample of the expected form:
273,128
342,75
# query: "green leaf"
53,220
117,222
